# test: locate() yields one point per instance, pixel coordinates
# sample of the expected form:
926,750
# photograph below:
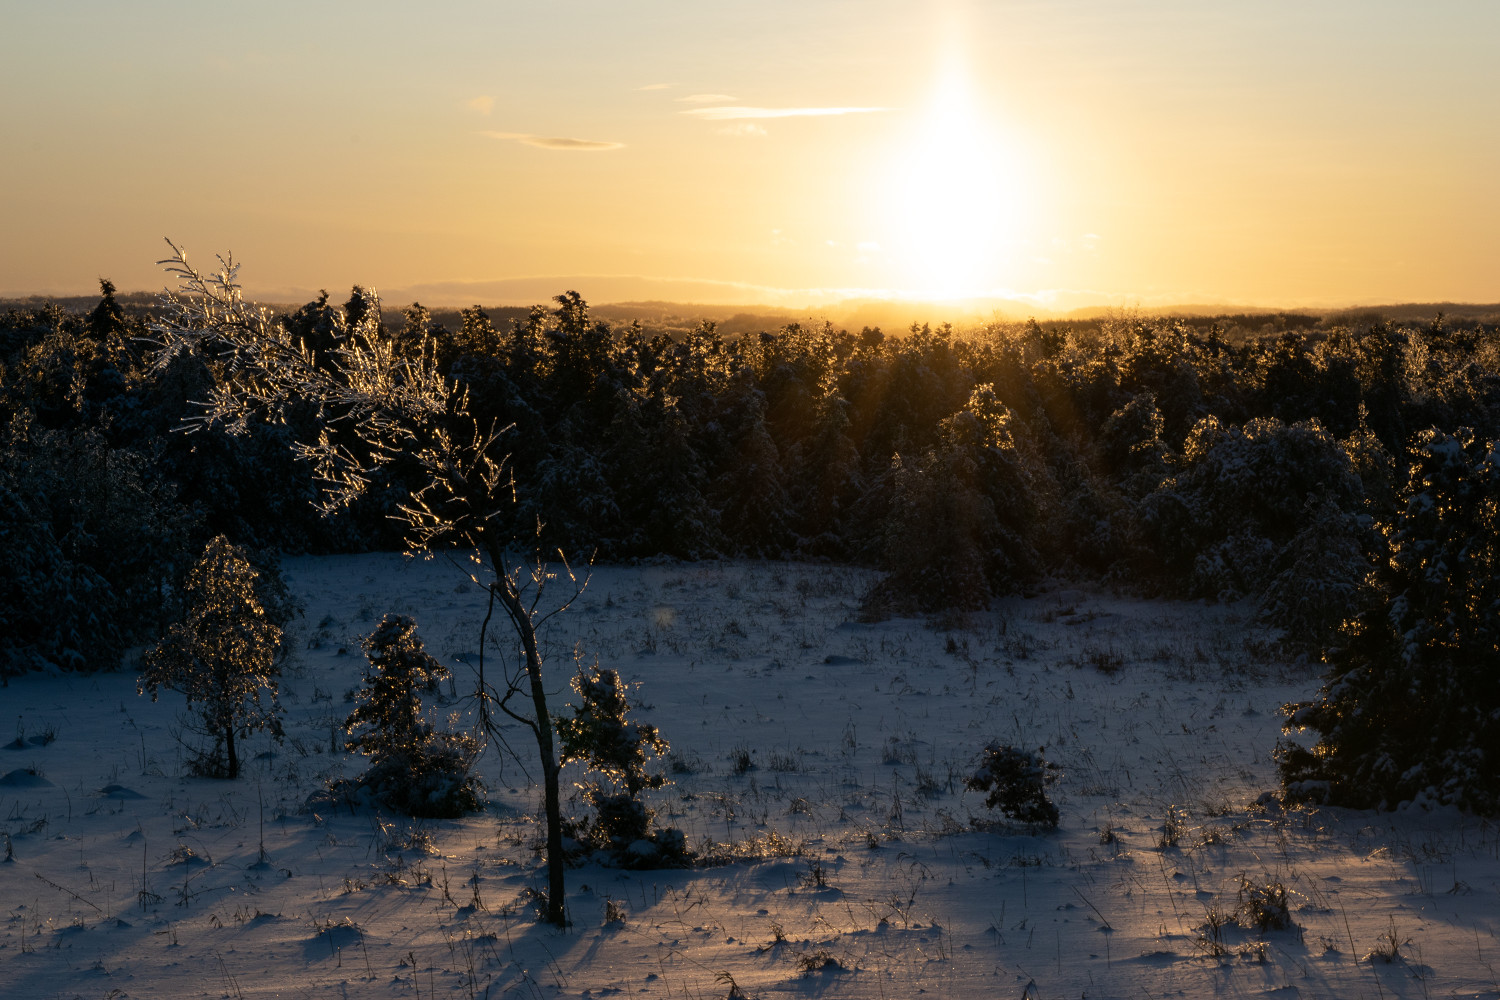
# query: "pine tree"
615,751
413,768
389,716
221,656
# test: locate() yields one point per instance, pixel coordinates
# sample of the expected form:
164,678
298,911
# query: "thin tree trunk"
234,760
543,730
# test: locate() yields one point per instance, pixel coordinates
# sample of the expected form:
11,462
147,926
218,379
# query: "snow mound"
120,792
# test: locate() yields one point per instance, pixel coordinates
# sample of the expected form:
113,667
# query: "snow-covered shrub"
1235,520
414,768
1263,906
1319,576
1409,710
221,655
615,751
1016,782
1132,442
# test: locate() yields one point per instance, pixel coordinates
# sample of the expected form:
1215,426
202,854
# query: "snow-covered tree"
415,768
1409,710
380,408
221,656
1015,781
54,611
958,528
615,750
1236,501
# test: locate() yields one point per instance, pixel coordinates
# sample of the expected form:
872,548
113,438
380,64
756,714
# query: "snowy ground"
863,871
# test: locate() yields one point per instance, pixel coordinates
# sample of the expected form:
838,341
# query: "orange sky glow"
1050,154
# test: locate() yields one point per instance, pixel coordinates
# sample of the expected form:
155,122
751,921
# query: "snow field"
819,759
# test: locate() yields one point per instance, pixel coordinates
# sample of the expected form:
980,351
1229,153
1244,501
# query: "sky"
786,152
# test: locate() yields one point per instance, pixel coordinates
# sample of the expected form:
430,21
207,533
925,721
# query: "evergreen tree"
829,480
1409,709
413,767
616,750
221,656
1016,782
53,611
749,490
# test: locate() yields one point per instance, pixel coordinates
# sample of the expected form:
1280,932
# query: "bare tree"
373,405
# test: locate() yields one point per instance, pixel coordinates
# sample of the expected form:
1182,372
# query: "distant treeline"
1251,455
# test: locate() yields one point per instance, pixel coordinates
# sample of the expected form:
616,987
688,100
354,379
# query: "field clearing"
822,758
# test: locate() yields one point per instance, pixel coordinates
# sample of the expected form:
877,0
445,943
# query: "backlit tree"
221,656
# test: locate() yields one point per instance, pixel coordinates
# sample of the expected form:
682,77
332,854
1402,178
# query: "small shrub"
1211,937
614,913
1387,947
1107,661
1172,828
818,961
1263,906
784,762
816,876
1016,782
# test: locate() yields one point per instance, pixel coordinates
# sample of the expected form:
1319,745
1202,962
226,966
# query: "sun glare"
954,196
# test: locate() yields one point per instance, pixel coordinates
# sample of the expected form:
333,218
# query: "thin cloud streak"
705,99
732,113
555,142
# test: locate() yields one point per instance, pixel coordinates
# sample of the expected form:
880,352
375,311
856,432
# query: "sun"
954,196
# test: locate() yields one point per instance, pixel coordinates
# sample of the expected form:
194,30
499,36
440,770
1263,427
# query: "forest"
1320,471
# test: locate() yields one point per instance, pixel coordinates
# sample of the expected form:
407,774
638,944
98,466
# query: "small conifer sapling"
221,656
616,750
413,767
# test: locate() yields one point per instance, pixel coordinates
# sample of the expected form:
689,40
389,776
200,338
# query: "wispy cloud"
743,129
706,99
657,86
734,112
555,142
484,104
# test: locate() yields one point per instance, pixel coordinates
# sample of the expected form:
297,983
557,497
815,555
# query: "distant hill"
891,315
